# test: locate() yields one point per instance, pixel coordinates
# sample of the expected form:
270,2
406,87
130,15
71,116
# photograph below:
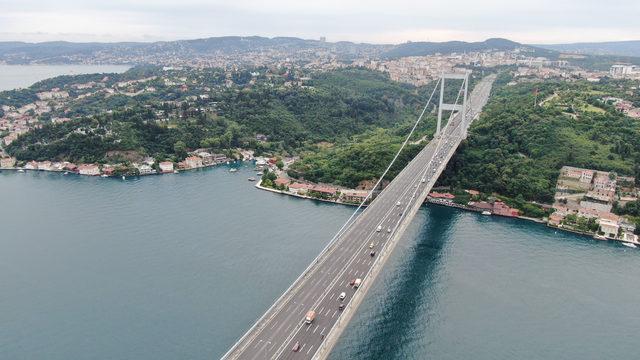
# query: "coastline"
453,205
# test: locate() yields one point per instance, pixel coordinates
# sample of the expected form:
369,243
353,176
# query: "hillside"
619,48
136,52
165,124
430,48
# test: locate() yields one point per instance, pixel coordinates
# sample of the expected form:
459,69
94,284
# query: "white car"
398,203
342,296
424,180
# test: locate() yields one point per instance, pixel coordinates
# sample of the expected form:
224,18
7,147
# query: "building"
621,70
300,188
502,209
354,196
610,228
281,182
445,195
89,169
145,169
7,162
166,167
193,162
31,165
556,218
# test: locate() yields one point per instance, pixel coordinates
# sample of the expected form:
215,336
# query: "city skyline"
358,21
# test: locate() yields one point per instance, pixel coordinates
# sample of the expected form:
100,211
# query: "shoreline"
457,206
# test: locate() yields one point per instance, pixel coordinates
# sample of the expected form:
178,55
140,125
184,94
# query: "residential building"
609,228
166,166
89,169
300,188
7,162
354,196
193,162
500,208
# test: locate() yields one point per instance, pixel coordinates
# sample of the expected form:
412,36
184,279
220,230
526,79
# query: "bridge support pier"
453,107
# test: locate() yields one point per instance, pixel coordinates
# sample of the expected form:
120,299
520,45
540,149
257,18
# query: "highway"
359,252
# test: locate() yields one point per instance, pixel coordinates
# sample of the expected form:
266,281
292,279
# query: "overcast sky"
389,21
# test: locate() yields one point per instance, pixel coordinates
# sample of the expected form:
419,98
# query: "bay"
179,266
22,76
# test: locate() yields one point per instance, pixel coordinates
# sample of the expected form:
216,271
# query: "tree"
180,148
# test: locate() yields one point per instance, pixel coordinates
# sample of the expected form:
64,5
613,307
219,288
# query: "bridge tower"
454,107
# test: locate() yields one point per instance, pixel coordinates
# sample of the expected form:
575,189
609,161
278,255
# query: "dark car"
341,307
373,253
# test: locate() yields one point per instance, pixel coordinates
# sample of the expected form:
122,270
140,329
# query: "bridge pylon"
454,107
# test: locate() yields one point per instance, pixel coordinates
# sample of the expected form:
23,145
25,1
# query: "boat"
20,170
175,171
486,212
251,179
104,175
124,178
258,174
233,170
629,245
66,173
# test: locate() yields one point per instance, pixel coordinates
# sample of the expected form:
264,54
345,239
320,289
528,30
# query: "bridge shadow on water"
407,287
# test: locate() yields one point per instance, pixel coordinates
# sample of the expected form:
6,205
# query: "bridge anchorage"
306,321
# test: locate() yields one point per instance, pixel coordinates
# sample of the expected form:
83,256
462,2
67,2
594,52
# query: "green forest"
514,149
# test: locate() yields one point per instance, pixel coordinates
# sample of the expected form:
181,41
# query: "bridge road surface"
282,326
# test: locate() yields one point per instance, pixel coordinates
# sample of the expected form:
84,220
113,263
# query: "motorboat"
486,212
251,179
629,245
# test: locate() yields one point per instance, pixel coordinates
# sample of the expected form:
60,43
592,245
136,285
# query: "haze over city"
399,21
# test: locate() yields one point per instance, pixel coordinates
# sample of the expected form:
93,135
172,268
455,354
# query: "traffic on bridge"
306,321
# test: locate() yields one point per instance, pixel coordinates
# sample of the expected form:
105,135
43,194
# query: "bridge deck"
318,289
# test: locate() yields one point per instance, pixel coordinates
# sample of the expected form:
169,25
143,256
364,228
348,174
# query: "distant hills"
619,48
135,52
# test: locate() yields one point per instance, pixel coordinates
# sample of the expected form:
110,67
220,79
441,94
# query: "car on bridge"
311,315
342,296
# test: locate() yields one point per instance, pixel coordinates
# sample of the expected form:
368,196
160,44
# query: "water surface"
179,266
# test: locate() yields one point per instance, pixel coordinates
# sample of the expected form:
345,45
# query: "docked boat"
258,174
104,175
175,171
233,170
20,170
124,178
486,212
251,179
66,173
629,245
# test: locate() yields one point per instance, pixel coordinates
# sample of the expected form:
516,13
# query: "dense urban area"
557,142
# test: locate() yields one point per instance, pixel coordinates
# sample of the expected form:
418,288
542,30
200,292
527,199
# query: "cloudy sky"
389,21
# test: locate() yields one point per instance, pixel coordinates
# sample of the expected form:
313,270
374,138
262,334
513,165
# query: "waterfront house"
45,165
89,169
7,162
556,218
193,162
282,181
108,170
145,169
444,195
207,158
324,192
300,188
502,209
31,165
166,166
481,205
354,196
71,167
610,228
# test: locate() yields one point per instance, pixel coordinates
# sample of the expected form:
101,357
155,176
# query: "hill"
619,48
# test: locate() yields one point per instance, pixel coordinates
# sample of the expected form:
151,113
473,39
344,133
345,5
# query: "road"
352,256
